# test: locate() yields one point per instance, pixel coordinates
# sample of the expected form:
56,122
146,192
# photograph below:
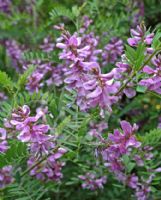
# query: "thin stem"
33,166
125,84
154,94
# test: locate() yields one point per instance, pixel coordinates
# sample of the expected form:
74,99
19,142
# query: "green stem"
33,166
154,94
125,84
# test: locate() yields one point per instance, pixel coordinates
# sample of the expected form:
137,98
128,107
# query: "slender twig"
33,166
125,84
155,94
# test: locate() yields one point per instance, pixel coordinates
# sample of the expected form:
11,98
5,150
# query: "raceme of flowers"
116,149
153,81
41,145
81,68
6,176
15,51
112,51
84,74
91,182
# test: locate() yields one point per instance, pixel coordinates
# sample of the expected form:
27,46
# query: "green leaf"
75,11
5,111
28,189
128,164
153,138
126,159
156,40
53,108
140,55
14,154
130,54
63,124
23,78
5,82
39,55
135,57
60,11
141,89
130,167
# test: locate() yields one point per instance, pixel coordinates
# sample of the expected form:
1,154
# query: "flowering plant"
80,90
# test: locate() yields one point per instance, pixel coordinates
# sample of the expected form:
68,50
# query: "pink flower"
3,141
99,89
71,48
47,45
112,51
49,169
6,176
153,83
139,35
91,182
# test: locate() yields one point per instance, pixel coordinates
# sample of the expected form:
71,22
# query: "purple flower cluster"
99,88
47,45
72,49
120,144
26,125
15,51
89,39
138,8
140,35
78,48
112,51
2,96
123,69
39,142
116,147
57,75
84,75
6,176
147,155
46,73
96,129
43,68
5,6
85,24
49,169
35,80
120,74
93,87
91,182
153,82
